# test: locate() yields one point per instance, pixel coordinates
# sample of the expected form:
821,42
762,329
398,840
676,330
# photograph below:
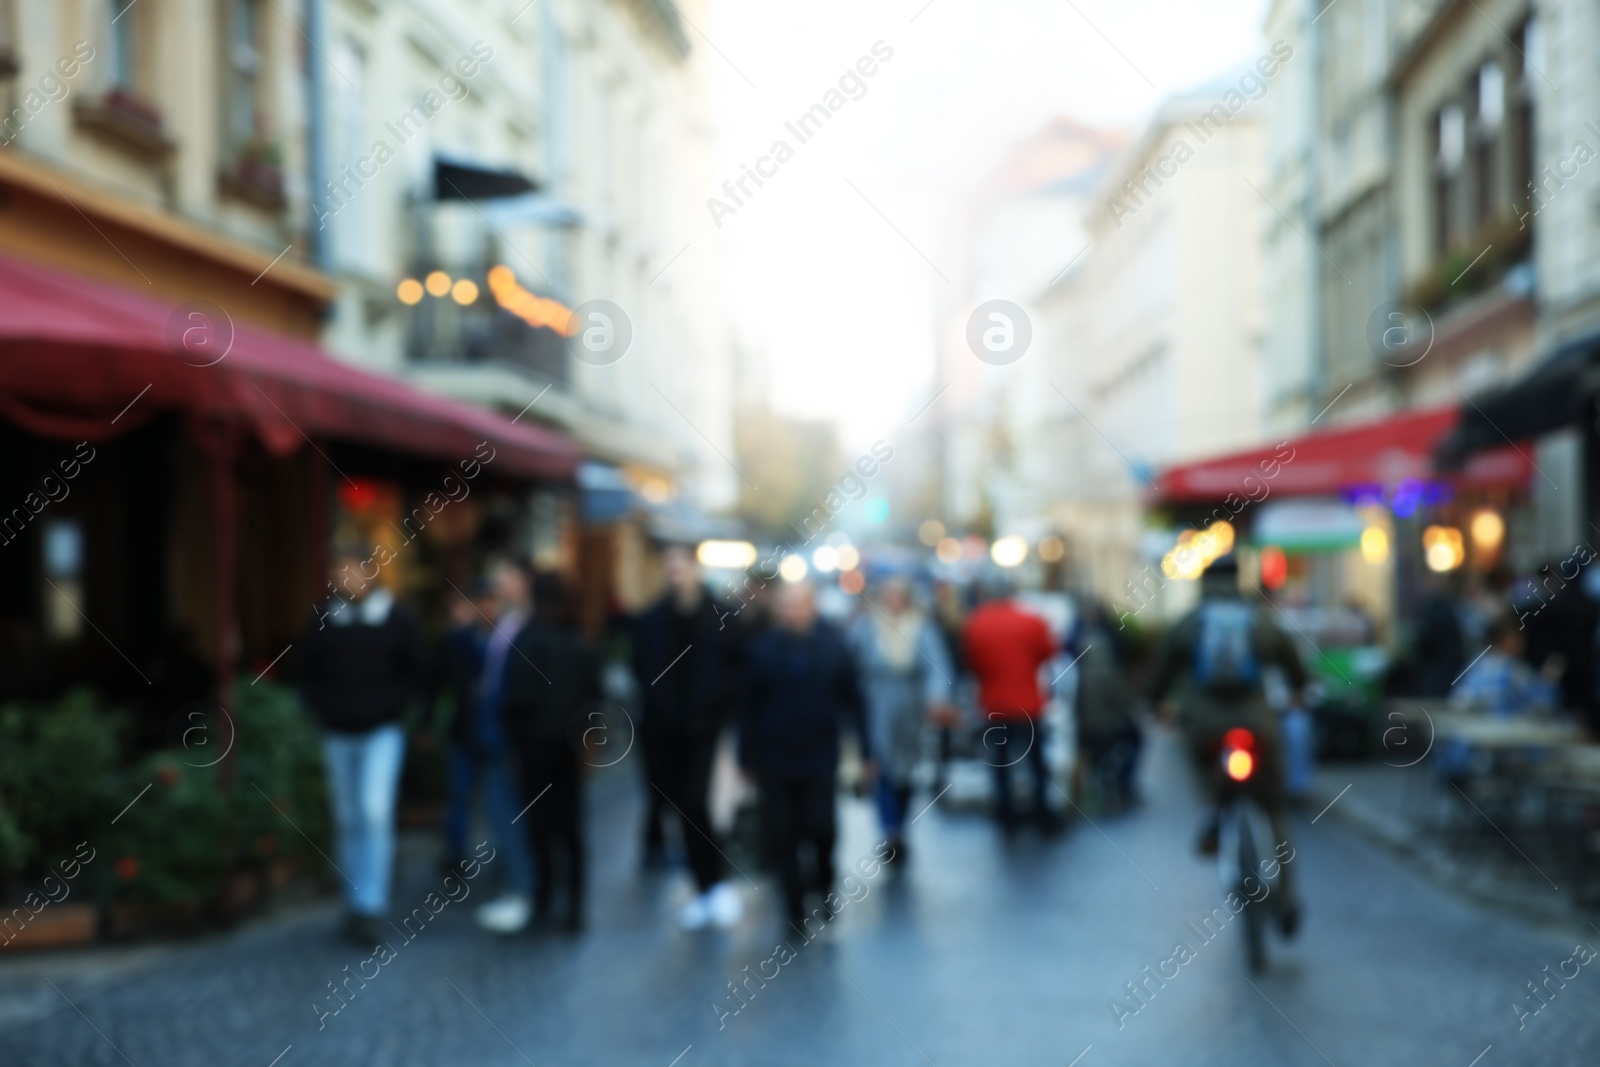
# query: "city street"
983,951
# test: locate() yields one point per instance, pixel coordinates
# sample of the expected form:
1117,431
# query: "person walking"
684,658
362,662
1005,648
460,670
801,686
1104,709
905,681
552,702
494,754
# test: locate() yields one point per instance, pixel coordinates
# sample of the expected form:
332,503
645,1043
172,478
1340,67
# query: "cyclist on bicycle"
1212,660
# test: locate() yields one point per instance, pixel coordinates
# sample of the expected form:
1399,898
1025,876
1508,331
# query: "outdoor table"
1572,778
1497,733
1505,783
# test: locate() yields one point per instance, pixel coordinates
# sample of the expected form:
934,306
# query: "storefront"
175,478
1343,526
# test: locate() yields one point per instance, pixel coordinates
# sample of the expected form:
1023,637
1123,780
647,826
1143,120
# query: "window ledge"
255,183
130,122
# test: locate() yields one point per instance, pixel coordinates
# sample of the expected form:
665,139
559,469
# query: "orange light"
536,311
409,291
852,582
464,292
437,283
1239,765
1274,567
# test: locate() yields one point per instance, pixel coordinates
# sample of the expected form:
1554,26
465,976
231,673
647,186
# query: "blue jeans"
364,778
497,774
893,799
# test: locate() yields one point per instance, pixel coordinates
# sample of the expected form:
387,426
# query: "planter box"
58,925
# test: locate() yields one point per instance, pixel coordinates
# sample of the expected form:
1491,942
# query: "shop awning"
1554,395
1384,453
75,355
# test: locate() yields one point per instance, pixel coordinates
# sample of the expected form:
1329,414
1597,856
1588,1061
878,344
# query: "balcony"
483,315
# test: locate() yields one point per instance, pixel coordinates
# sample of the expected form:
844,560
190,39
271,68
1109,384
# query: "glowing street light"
729,555
1009,551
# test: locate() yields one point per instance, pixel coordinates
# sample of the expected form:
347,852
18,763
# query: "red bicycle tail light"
1239,737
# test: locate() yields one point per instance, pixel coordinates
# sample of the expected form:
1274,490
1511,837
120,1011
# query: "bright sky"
841,303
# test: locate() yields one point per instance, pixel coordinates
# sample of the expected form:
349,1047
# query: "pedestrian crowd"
526,707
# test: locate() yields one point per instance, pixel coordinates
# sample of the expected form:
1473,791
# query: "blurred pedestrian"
949,614
1559,618
801,686
1437,640
493,753
684,659
1501,683
362,663
1006,646
905,681
552,703
460,669
1105,709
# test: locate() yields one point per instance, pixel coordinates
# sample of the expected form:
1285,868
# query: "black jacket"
799,689
358,677
684,691
552,685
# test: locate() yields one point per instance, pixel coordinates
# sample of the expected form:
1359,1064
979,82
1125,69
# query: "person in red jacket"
1005,647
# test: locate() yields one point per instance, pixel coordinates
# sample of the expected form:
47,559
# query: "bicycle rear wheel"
1255,918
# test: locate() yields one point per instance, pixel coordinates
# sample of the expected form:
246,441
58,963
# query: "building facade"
593,117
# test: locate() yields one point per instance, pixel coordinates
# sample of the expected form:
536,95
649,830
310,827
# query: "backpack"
1224,653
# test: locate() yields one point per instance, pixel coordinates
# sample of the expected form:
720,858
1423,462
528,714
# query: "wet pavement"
982,950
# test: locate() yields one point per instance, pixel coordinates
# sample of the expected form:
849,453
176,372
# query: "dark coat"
798,689
552,684
460,672
358,677
691,694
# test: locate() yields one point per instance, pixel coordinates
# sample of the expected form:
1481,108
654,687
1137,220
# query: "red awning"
74,353
1383,453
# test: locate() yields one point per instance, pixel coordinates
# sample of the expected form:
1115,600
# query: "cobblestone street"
983,951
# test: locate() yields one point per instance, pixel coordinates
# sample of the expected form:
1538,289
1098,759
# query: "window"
1520,136
243,66
1449,144
348,134
1489,101
122,51
63,568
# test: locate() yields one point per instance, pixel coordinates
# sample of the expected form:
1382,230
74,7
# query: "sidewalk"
1404,809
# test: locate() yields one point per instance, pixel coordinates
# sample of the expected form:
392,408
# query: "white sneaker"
724,905
506,914
696,913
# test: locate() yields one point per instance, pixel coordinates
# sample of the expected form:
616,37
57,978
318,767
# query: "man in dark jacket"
552,687
684,659
1211,664
362,661
802,684
460,670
